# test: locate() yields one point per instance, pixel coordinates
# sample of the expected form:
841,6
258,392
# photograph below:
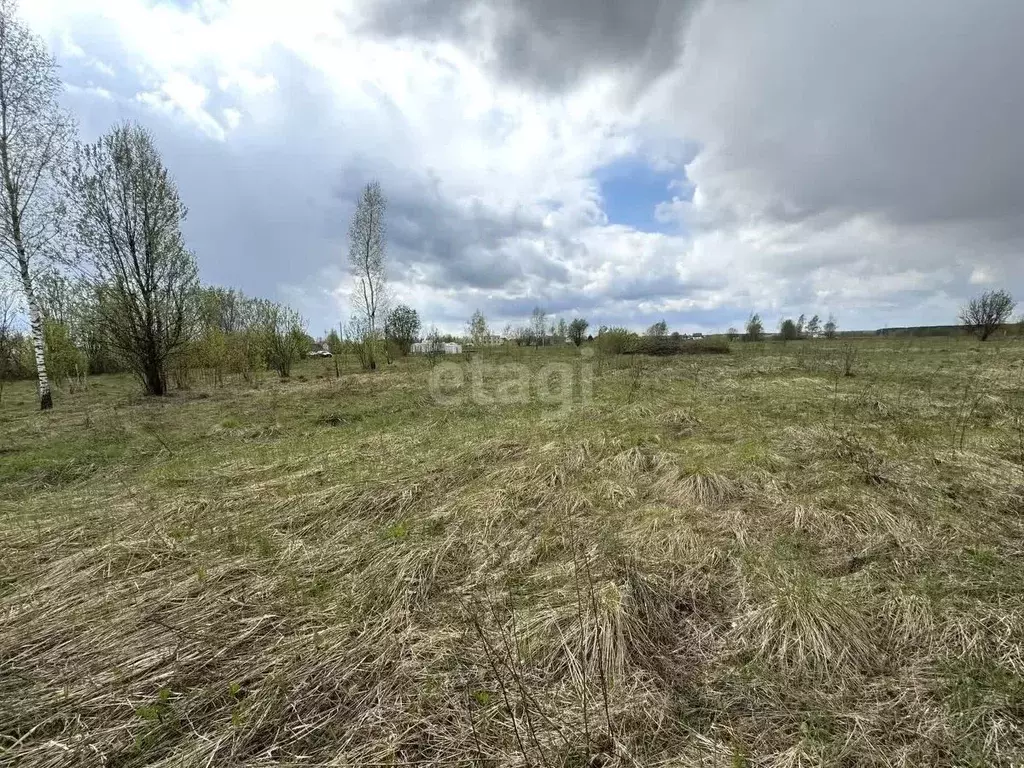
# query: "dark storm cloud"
908,111
551,43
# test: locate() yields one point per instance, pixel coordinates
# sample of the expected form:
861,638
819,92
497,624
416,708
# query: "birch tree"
35,136
128,216
477,328
538,325
367,255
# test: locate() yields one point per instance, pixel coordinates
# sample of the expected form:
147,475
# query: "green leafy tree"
366,343
246,354
212,352
788,330
658,330
285,341
578,330
57,295
66,361
73,302
223,308
402,326
615,341
813,326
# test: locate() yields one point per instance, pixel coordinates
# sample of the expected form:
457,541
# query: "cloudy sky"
691,159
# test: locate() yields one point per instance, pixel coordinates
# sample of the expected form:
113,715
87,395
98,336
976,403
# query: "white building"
490,340
443,348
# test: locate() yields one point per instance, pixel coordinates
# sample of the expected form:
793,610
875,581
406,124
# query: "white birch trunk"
38,345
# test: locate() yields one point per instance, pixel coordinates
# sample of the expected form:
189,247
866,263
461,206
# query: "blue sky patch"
631,189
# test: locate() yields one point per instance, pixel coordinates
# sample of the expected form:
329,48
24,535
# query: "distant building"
320,349
441,348
490,340
697,336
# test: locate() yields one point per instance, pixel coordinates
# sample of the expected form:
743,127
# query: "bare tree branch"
984,314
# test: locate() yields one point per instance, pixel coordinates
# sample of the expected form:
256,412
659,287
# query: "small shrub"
615,341
667,345
848,355
985,314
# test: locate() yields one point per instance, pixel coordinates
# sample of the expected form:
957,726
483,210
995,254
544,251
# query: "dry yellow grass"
738,560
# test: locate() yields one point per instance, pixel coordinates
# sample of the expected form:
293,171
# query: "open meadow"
745,559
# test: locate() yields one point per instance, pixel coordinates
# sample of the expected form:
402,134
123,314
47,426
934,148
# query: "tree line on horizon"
789,329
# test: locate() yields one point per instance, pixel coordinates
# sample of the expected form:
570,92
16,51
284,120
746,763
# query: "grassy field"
733,560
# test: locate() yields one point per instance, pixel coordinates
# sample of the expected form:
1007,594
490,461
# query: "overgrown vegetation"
744,559
620,341
668,345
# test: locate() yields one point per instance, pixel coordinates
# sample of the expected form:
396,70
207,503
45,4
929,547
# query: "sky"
695,160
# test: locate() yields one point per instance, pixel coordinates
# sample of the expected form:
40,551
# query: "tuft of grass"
635,460
802,624
704,488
